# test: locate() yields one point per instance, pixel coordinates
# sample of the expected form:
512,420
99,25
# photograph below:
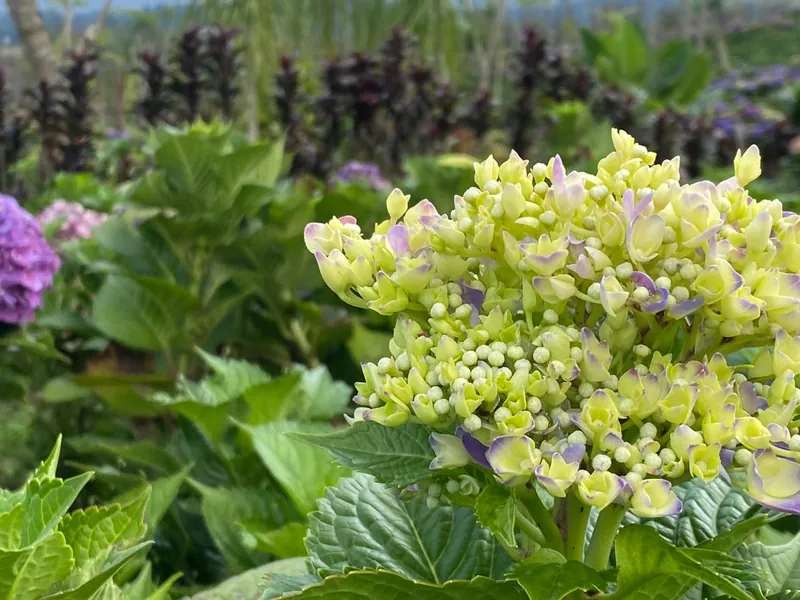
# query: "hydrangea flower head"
78,222
27,263
572,328
368,173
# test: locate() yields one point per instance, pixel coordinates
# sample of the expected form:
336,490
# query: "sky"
93,5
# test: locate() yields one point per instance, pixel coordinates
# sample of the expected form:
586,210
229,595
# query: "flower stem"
530,529
577,520
605,531
530,499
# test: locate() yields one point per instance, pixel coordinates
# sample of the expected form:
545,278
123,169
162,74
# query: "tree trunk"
35,40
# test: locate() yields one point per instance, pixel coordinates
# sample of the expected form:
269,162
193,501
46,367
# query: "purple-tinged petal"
657,302
397,238
474,448
559,172
750,401
726,454
687,307
582,268
774,482
472,296
654,498
644,280
574,453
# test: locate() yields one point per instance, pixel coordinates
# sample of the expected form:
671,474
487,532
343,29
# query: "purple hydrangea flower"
27,263
370,173
79,222
117,134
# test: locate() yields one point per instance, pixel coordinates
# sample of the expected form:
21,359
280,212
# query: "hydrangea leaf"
28,574
47,468
302,470
547,575
143,588
496,509
147,324
94,532
145,453
324,397
46,502
224,509
396,456
255,581
361,524
650,568
87,590
778,565
368,585
283,542
163,494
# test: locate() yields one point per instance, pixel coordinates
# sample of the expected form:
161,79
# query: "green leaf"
230,380
284,542
325,398
708,510
302,470
46,502
651,568
397,456
695,79
62,389
28,574
631,51
163,494
117,562
547,575
109,591
496,509
369,585
47,468
249,585
273,400
141,453
257,164
671,62
363,525
94,532
143,588
205,402
779,565
122,238
224,509
126,312
593,46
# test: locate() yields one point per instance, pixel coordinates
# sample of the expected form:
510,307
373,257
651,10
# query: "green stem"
605,531
577,520
530,529
543,519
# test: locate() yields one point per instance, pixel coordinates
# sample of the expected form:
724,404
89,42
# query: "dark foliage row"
198,79
385,106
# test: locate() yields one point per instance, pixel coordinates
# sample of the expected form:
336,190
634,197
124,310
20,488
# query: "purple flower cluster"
27,263
759,81
78,221
117,134
369,173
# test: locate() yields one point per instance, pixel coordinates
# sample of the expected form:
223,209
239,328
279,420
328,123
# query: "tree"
35,41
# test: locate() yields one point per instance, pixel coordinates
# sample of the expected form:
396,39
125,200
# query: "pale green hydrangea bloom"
571,328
